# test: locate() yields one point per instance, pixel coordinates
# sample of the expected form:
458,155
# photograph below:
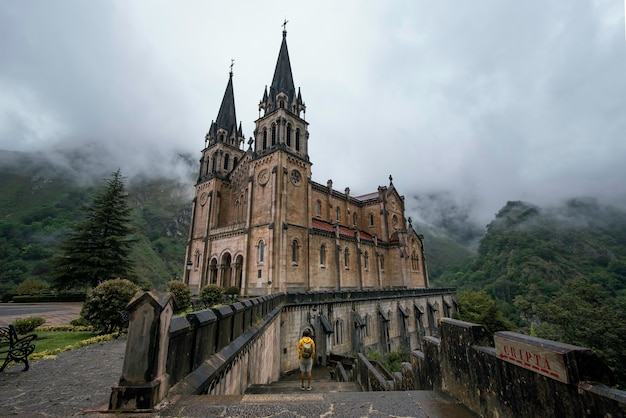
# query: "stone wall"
219,351
348,322
515,375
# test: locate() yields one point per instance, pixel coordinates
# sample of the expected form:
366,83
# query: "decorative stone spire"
226,118
282,84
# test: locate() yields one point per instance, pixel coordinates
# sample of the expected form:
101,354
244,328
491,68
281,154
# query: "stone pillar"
144,381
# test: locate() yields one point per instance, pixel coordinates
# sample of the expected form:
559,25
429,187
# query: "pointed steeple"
282,85
226,117
283,79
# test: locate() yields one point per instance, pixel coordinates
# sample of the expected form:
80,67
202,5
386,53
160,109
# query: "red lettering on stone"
546,364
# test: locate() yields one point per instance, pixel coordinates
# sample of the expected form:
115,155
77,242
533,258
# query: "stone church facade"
260,223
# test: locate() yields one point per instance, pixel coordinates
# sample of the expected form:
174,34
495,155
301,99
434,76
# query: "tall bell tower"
282,170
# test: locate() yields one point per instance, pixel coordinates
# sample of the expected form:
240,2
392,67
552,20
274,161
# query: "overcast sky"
488,100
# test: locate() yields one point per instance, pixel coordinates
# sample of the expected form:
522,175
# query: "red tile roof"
343,230
322,225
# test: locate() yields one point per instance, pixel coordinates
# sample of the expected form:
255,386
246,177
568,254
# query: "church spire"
226,117
283,79
282,92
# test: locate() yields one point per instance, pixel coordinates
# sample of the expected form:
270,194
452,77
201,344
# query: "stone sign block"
548,358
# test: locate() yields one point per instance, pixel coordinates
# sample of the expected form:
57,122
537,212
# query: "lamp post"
189,266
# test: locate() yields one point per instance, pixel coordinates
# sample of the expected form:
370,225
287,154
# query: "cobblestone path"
74,381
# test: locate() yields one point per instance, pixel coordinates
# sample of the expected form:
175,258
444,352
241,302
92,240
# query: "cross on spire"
284,25
232,63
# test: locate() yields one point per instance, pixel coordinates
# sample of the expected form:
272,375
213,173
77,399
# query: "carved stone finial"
390,179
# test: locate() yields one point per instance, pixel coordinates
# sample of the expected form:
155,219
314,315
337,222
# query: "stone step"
420,404
326,386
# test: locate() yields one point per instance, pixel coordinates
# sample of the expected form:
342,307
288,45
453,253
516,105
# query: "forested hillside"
559,273
39,203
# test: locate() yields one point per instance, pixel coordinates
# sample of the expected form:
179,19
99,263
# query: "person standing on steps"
306,354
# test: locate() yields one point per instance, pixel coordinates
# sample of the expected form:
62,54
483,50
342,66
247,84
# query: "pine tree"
98,248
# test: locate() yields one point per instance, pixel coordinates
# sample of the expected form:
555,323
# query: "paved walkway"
74,381
53,313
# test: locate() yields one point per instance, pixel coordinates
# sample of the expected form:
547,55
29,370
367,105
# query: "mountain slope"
39,203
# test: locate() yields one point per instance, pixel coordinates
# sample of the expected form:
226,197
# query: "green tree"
98,248
584,315
480,308
31,286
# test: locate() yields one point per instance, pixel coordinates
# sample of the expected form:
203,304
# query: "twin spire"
282,93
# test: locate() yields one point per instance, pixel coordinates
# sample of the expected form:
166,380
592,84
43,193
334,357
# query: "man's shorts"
306,365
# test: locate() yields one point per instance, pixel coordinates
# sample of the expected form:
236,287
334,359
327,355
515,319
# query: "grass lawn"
51,340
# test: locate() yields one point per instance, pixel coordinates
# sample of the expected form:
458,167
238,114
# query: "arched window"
273,134
226,158
220,137
294,251
338,331
214,165
298,139
206,168
288,134
235,161
366,260
318,208
371,219
346,258
382,262
264,138
323,255
197,263
354,218
338,213
281,104
415,261
261,251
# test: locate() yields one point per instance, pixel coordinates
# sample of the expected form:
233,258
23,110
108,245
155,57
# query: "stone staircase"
321,382
327,398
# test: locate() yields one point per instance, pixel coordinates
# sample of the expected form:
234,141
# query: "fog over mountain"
468,105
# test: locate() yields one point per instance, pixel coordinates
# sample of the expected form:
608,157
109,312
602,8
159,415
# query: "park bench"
14,348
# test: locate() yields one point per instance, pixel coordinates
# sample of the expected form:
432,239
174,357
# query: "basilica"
260,223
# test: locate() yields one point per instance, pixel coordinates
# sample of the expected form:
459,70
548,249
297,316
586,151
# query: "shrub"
26,325
104,303
182,295
31,286
232,292
211,295
79,322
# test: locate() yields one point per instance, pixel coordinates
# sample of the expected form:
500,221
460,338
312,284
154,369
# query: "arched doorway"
239,271
226,279
213,271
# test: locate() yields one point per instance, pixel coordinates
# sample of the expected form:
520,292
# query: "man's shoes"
302,388
309,388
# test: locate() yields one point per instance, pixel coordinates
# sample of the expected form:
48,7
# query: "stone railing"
514,375
336,295
372,378
208,351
